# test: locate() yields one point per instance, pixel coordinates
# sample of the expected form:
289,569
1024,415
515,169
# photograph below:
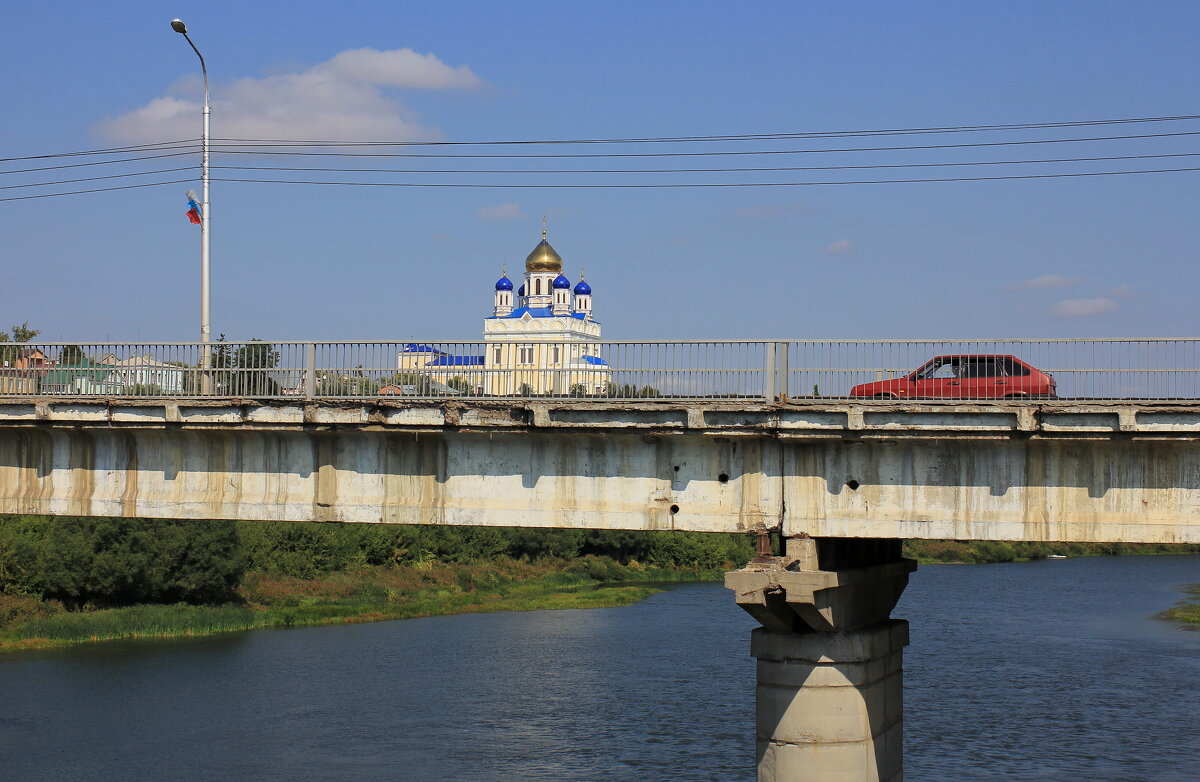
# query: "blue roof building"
540,339
544,339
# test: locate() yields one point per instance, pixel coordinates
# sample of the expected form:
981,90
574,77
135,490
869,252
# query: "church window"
537,287
554,354
525,354
497,354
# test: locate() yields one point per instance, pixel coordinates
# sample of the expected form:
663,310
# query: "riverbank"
361,594
71,581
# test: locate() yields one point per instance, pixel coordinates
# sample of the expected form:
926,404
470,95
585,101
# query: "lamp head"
178,26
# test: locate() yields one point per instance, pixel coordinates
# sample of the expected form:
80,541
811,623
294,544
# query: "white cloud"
1080,308
840,246
1122,292
1045,281
340,98
500,212
399,68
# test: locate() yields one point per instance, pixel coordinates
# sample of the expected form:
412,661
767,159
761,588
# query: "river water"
1048,670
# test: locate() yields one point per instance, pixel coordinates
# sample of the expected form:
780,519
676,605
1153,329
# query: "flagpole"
205,217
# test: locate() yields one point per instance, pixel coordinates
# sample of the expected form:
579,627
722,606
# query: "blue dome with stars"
504,284
583,289
561,282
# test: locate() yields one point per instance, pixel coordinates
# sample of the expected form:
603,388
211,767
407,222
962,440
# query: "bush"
121,561
17,609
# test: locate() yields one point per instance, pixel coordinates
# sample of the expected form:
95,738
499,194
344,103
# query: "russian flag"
193,213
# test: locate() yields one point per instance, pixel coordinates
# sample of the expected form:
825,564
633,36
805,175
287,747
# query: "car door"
982,378
938,379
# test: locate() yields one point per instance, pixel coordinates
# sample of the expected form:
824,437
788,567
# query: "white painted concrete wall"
985,472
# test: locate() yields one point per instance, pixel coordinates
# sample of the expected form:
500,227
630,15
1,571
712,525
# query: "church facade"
541,338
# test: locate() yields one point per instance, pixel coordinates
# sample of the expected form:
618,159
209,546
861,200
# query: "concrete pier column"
830,688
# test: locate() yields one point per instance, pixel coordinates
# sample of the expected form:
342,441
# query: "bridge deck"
1046,471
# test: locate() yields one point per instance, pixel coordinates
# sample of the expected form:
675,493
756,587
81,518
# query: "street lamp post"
205,217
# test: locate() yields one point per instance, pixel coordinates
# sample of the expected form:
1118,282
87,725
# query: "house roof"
412,347
63,375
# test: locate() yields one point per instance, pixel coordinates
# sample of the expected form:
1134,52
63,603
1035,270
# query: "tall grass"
143,621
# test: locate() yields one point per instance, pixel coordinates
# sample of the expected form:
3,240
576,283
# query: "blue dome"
504,284
583,289
521,291
561,282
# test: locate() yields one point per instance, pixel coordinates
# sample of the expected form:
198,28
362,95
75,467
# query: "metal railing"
753,370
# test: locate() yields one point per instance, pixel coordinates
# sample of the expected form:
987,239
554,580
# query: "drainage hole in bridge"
723,477
674,509
852,485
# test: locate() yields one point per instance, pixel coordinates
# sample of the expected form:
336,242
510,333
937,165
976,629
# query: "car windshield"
938,369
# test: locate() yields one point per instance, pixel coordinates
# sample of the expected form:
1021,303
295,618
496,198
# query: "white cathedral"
541,340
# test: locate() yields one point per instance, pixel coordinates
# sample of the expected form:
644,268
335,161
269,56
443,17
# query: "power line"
710,154
1036,161
97,190
105,151
96,163
257,147
1032,161
477,185
736,137
641,140
95,178
646,185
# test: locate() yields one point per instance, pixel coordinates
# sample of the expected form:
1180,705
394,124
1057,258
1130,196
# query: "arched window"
537,287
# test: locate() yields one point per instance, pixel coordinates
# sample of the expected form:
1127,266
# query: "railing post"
781,367
769,373
310,370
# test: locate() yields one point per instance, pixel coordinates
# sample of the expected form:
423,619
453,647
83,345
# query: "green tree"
629,391
71,356
22,333
122,561
253,359
459,384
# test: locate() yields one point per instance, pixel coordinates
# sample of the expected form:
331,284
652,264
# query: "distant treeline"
105,562
983,551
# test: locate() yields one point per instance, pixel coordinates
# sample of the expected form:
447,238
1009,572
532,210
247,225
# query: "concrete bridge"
841,481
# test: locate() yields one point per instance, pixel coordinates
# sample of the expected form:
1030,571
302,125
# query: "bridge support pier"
829,693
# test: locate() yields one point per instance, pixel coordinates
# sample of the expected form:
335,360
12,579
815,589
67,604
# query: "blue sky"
1090,256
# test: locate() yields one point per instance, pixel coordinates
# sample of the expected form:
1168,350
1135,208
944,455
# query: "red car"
965,377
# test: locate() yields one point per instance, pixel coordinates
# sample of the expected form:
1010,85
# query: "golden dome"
543,259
